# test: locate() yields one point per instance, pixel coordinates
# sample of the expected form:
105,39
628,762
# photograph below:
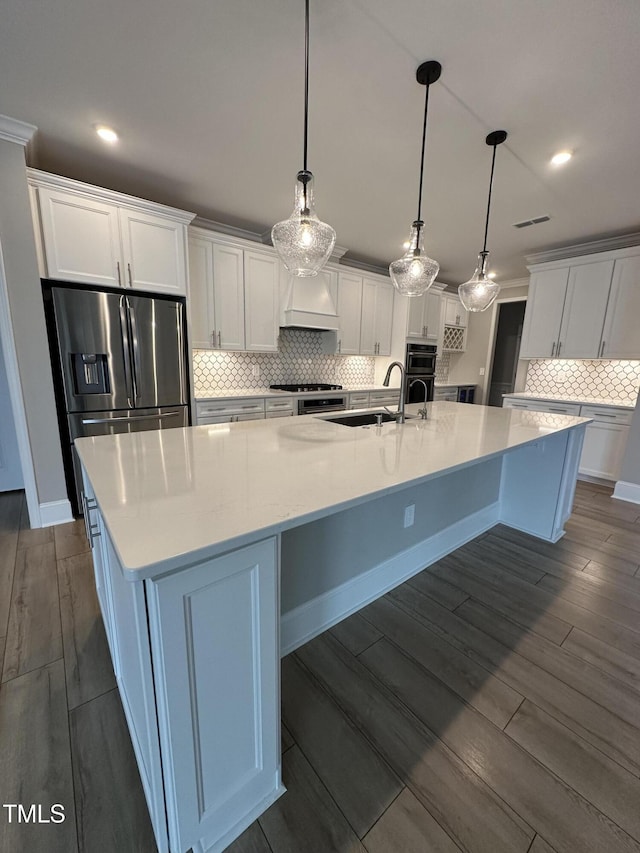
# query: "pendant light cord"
424,140
486,224
306,81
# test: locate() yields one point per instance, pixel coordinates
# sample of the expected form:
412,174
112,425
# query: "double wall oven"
420,372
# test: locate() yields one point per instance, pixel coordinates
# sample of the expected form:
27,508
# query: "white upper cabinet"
454,312
349,312
228,297
91,235
586,308
377,317
365,308
423,321
621,332
233,295
261,296
154,251
543,315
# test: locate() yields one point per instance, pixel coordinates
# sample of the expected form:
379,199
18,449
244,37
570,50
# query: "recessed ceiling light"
491,275
406,244
561,158
107,134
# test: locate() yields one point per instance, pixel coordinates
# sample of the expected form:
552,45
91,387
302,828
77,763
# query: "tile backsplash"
300,358
608,380
442,367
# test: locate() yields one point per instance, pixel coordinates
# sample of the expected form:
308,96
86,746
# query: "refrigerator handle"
135,348
181,347
124,329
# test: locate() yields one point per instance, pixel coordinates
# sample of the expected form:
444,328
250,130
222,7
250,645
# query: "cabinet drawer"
278,407
603,414
543,406
384,398
359,400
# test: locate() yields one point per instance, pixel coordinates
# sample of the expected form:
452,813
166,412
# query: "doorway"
506,350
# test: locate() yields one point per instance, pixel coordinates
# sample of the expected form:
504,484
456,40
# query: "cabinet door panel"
261,291
384,317
432,314
228,294
621,337
349,312
603,450
81,238
584,309
154,250
215,641
368,339
201,308
544,313
415,321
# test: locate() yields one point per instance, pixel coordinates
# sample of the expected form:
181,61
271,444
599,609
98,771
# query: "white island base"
196,631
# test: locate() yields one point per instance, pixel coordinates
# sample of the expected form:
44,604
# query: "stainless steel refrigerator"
119,364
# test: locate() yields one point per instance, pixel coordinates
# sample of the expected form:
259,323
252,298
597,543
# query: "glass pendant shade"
414,273
479,292
302,241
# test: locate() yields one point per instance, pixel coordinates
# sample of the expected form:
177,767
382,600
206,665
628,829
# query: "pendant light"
480,291
414,273
302,241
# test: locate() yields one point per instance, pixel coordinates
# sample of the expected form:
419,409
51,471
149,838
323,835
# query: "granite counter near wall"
300,358
584,379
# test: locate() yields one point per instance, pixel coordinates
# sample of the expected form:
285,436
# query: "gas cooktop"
306,386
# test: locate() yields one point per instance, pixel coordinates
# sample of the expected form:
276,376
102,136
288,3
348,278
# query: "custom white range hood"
309,303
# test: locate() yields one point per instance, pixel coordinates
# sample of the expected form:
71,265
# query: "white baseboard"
627,492
55,512
305,622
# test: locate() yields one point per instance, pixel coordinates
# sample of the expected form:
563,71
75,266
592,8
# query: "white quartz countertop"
202,490
584,401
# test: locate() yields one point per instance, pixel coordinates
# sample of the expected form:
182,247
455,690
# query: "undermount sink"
362,419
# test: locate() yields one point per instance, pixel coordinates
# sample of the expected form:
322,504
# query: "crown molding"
13,130
228,230
591,247
514,282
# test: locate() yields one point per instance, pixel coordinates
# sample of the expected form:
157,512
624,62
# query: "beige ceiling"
207,97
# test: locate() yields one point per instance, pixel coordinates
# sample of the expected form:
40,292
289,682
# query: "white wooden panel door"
215,645
261,301
201,307
368,339
621,334
154,251
584,309
603,450
81,239
384,317
10,469
433,307
415,319
228,296
454,313
349,313
543,315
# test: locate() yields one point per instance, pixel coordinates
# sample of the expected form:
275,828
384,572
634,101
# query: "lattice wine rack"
454,339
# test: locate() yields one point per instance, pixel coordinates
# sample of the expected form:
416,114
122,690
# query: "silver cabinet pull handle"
559,347
340,345
553,349
602,415
602,346
93,530
213,338
119,279
129,273
219,340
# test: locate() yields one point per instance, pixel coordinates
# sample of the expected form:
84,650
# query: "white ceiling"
207,97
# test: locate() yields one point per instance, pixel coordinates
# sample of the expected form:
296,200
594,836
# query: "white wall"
27,319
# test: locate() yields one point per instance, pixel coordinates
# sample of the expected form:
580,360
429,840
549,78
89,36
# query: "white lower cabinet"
214,631
605,438
279,408
229,411
359,400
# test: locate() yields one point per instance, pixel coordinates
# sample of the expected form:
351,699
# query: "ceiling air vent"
535,221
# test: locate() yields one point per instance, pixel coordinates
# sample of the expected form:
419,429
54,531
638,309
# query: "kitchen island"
219,548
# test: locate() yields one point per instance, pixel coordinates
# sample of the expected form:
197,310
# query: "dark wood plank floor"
490,704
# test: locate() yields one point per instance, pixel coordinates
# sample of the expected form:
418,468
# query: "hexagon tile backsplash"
299,359
607,380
